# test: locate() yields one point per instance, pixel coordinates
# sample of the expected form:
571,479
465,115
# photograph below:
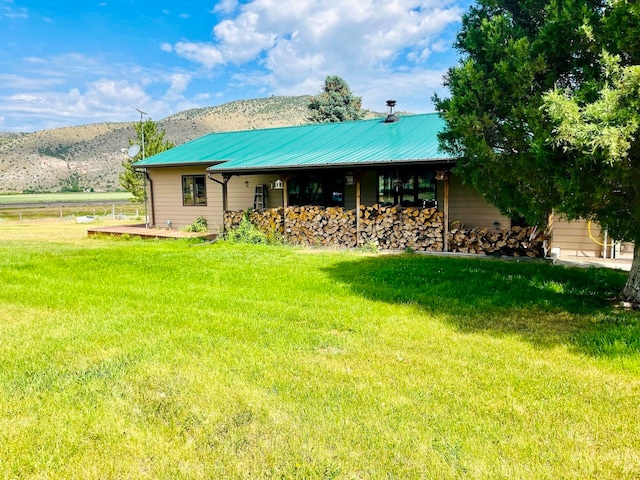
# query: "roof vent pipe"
391,117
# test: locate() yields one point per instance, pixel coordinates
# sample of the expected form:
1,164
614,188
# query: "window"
409,188
194,190
326,190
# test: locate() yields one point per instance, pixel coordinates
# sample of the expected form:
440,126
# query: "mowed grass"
168,359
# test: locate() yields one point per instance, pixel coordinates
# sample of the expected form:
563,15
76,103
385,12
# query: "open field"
169,359
57,198
46,206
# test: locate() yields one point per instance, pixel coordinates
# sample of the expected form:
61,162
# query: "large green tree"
530,77
154,142
335,103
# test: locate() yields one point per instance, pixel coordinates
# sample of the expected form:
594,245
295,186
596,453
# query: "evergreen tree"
335,103
541,114
154,142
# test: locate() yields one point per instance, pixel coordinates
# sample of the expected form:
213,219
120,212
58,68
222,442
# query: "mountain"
39,161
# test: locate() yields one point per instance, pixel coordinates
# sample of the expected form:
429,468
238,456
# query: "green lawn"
166,359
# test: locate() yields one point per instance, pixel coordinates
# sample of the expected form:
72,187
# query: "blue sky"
88,61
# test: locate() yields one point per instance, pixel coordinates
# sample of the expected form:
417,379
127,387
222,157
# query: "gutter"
327,166
147,178
153,210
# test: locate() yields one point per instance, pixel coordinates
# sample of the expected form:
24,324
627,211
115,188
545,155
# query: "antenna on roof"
391,117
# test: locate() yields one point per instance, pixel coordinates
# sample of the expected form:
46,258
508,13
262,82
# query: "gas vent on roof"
391,117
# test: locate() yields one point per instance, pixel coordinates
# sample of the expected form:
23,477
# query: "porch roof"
365,142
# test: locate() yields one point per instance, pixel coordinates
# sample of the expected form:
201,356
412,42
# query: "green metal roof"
413,138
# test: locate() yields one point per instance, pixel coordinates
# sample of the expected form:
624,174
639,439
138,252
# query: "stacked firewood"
311,225
388,228
515,241
385,227
268,221
399,228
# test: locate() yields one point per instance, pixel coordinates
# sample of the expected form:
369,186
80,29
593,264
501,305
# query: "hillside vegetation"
39,161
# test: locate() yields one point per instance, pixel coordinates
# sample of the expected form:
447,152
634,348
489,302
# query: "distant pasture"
39,206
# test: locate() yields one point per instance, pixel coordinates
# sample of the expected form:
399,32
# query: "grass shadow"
542,303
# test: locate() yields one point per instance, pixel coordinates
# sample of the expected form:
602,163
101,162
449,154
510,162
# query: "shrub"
198,225
246,232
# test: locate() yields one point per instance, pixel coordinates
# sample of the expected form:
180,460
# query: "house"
347,167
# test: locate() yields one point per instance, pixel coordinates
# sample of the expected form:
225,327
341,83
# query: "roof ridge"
284,127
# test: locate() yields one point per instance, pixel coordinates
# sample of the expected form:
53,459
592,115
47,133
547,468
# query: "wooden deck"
143,232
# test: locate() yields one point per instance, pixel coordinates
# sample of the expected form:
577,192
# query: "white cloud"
14,14
36,104
179,83
243,39
295,43
225,6
205,53
419,57
441,46
15,82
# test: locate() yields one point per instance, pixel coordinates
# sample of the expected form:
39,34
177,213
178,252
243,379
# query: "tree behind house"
529,151
154,143
335,103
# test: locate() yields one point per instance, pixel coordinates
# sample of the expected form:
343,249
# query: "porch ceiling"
346,144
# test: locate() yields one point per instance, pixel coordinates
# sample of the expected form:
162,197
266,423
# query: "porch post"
225,204
445,212
285,202
225,197
285,191
358,177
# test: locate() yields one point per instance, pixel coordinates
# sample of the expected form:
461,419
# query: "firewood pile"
388,228
515,241
311,225
398,228
268,221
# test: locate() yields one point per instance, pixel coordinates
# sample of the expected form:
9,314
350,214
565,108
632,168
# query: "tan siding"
624,250
167,198
274,197
572,239
242,188
467,207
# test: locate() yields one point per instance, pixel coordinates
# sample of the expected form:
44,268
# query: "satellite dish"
133,150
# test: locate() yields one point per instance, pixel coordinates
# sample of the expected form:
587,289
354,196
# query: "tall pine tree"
154,142
521,145
335,103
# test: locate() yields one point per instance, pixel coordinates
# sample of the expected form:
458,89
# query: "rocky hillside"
41,160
